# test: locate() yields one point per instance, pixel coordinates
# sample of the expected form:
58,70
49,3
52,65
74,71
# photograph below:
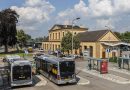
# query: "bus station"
124,61
100,65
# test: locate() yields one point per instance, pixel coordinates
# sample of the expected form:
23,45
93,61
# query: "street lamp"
109,43
72,31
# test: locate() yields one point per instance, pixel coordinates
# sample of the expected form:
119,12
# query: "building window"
56,35
56,47
59,35
85,47
50,36
45,46
91,51
59,46
53,35
53,47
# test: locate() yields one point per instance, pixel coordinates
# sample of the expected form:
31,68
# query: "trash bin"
104,67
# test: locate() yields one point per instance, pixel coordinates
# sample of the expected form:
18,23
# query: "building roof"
91,36
66,27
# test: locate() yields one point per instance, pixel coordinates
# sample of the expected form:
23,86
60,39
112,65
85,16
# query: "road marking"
42,82
82,81
110,77
120,70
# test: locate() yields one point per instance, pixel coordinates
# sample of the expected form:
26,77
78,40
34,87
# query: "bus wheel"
50,78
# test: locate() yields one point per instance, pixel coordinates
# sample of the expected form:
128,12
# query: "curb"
86,82
43,82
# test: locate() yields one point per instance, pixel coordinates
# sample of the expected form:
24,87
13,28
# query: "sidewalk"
110,77
39,80
82,81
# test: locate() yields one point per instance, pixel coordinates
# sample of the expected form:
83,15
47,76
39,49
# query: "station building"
98,42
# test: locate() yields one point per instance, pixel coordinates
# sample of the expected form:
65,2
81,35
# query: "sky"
38,16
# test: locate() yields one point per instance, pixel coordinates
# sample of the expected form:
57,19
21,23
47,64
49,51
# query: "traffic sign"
107,50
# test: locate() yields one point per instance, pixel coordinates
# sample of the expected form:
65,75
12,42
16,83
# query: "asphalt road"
96,83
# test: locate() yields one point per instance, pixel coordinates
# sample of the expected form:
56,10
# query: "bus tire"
50,78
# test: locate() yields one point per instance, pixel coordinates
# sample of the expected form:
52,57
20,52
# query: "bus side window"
54,71
41,64
49,67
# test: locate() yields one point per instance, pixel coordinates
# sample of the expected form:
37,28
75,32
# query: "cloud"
79,9
33,14
98,13
121,6
98,8
105,22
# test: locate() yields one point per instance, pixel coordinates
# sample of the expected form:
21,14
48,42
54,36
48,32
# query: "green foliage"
66,42
8,20
76,42
22,37
123,36
40,39
113,59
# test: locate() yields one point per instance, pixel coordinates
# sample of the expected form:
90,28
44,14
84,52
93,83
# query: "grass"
20,53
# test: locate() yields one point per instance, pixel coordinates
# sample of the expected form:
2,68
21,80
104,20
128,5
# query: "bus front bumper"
15,84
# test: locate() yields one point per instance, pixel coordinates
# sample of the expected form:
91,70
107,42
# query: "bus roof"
12,57
19,62
53,59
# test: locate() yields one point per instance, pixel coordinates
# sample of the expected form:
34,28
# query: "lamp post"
109,43
72,31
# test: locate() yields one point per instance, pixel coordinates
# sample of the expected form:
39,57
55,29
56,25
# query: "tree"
41,39
22,37
8,20
126,36
118,34
123,36
66,43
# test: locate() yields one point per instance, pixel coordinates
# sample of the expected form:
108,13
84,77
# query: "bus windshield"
21,72
67,68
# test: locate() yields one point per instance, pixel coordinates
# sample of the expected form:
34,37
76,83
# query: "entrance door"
103,54
91,51
113,54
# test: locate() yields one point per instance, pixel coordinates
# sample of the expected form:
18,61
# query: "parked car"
30,49
37,54
40,50
71,56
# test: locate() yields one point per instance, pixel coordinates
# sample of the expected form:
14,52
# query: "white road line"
110,77
83,81
43,82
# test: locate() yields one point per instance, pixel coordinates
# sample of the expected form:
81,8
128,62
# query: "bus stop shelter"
100,65
124,63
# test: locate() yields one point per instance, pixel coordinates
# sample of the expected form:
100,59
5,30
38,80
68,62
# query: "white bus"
20,72
58,70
